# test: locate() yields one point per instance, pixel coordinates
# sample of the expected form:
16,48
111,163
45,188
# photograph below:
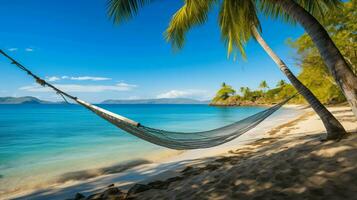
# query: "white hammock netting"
185,140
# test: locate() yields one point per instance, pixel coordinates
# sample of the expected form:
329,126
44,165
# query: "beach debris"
188,168
79,196
137,188
159,184
113,193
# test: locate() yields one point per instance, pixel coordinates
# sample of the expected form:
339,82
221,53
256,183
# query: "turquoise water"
39,143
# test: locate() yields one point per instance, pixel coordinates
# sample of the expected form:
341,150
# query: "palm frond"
316,7
123,10
193,12
236,19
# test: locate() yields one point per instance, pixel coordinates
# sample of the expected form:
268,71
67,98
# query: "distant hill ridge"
34,100
24,100
156,101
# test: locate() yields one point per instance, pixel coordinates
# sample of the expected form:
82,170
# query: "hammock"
169,139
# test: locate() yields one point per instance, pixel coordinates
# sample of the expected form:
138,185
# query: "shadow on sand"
309,170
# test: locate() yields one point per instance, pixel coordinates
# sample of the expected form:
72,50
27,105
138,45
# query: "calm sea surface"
41,142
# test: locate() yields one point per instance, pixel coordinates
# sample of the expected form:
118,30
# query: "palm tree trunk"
332,57
333,127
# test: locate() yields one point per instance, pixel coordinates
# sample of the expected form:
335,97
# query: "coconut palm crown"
236,17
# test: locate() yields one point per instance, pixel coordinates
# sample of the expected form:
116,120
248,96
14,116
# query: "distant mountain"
24,100
156,101
34,100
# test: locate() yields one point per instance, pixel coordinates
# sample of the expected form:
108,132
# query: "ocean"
39,143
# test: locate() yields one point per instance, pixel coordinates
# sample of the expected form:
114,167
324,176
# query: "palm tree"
244,91
239,22
333,127
332,57
263,85
281,84
225,92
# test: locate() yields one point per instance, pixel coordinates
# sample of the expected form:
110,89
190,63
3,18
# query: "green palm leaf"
236,19
193,12
124,10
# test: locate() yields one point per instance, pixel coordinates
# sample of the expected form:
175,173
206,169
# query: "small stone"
158,185
94,197
137,188
79,196
173,179
212,167
111,192
317,191
187,169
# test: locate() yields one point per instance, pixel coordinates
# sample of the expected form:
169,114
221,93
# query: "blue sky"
76,46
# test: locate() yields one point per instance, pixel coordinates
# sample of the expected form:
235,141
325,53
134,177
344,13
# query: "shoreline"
163,161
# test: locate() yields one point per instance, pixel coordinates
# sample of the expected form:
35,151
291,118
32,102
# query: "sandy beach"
279,160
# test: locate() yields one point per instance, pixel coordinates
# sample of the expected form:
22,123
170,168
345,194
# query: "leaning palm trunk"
334,129
332,57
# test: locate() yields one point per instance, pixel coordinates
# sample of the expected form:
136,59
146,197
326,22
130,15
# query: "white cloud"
29,49
87,78
121,84
78,78
52,78
26,49
191,93
13,49
81,88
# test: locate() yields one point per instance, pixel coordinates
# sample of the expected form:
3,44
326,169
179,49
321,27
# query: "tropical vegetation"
224,92
341,24
248,96
306,12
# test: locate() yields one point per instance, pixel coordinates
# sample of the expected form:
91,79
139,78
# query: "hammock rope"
169,139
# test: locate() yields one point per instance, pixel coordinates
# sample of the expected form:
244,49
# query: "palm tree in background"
242,90
263,85
239,23
281,84
223,93
245,91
